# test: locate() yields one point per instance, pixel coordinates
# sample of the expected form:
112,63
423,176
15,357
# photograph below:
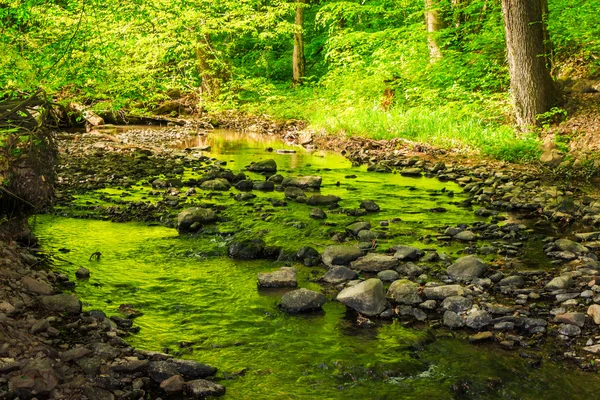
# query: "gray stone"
560,282
513,280
36,286
317,213
569,330
369,206
356,227
285,277
478,319
263,166
367,297
467,267
322,200
573,318
201,388
62,303
409,269
404,291
340,255
407,253
192,219
339,274
302,300
466,236
388,275
303,182
293,192
374,262
218,184
193,369
571,246
82,273
452,320
441,292
456,303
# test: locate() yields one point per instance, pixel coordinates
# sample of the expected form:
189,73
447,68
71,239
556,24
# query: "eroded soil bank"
404,312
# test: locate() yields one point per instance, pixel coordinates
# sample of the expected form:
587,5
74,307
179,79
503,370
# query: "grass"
459,124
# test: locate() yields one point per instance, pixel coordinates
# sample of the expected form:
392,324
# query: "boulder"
388,275
452,320
285,277
201,388
245,185
174,384
62,303
404,291
456,303
218,184
571,246
247,249
339,274
441,292
193,369
317,213
192,219
263,166
478,319
374,262
322,200
465,236
303,182
293,192
161,370
407,253
367,297
340,255
301,300
467,267
560,282
573,318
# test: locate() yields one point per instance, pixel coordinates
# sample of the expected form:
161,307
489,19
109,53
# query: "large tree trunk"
298,60
532,87
434,24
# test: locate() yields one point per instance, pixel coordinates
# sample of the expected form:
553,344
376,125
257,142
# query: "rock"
369,206
174,384
355,228
293,192
218,184
571,246
560,282
339,274
594,312
374,262
317,213
193,369
481,336
131,366
264,186
456,303
82,273
32,382
37,287
388,275
413,172
573,318
94,393
465,236
161,370
513,280
201,388
285,277
452,320
74,354
322,200
6,307
593,349
245,185
467,267
303,182
340,255
404,291
62,303
192,219
367,297
247,249
441,292
263,166
409,269
569,330
478,319
407,253
301,300
308,255
552,158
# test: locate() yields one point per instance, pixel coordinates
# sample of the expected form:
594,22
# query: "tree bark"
298,60
532,88
434,24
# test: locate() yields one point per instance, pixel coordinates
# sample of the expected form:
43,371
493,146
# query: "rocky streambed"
299,275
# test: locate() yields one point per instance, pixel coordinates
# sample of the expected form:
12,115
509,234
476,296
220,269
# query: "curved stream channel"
190,291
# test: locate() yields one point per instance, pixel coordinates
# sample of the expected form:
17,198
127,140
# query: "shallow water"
190,292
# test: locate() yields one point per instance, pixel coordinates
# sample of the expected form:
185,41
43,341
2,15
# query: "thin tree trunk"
548,49
212,72
298,60
434,24
532,87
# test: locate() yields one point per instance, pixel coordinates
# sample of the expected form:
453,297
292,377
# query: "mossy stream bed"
202,305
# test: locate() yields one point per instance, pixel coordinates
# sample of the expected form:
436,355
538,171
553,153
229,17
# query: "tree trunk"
532,87
548,50
212,72
298,60
434,24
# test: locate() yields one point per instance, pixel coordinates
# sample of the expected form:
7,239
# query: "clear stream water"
189,291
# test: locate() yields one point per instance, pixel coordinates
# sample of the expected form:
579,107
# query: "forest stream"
198,303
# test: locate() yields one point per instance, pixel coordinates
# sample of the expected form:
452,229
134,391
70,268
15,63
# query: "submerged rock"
192,219
340,255
322,200
247,249
285,277
303,182
367,297
301,300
